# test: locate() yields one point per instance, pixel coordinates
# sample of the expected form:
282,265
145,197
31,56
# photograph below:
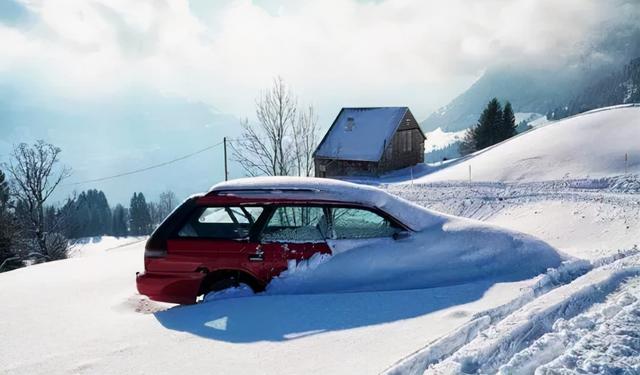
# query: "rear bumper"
179,288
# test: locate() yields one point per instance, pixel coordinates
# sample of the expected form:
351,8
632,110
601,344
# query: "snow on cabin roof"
360,133
412,215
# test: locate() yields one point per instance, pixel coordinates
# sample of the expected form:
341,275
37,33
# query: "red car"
248,231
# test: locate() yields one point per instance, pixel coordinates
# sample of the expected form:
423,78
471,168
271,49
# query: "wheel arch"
241,275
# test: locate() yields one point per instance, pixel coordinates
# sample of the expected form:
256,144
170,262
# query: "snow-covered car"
249,231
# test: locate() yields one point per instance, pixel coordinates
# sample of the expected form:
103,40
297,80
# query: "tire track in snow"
605,339
499,343
448,345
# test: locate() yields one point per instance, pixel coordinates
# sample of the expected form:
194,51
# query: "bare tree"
262,150
35,177
305,137
166,203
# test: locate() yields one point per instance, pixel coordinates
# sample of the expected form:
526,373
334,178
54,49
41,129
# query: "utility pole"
226,173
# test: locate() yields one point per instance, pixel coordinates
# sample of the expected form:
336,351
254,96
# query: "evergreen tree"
9,258
4,190
489,124
140,218
103,211
50,216
119,221
468,144
494,125
88,215
508,123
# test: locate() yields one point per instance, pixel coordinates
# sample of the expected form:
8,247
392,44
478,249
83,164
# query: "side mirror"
401,235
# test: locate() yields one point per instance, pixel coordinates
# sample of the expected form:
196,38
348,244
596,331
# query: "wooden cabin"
369,142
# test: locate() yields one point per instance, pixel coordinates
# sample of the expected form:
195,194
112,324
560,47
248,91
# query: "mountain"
620,87
593,78
528,91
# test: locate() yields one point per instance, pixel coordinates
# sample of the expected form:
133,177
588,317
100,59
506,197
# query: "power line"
147,168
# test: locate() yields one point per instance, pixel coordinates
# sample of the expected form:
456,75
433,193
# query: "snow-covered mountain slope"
590,145
439,138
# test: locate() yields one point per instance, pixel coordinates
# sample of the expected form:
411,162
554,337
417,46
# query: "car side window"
221,222
296,224
355,223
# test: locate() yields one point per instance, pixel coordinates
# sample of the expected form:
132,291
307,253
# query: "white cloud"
334,52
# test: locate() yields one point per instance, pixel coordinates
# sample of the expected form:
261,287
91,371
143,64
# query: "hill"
592,145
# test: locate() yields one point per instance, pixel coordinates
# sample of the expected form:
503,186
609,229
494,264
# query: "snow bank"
593,144
443,250
451,252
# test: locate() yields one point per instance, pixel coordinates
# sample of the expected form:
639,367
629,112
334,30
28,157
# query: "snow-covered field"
83,315
564,183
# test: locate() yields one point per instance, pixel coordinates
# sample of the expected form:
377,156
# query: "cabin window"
405,140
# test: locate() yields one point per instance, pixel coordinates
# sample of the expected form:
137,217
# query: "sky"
121,84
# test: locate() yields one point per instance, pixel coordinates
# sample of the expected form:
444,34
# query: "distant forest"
89,214
618,88
32,230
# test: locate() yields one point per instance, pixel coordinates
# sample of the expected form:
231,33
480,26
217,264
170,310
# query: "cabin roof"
361,133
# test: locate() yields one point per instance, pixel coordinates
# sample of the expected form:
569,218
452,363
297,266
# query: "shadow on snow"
285,317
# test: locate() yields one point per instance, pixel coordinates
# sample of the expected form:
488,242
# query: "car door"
351,227
294,233
216,238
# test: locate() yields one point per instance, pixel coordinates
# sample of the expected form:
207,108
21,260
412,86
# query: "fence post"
626,162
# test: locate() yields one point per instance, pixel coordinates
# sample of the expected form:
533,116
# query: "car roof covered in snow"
360,133
310,188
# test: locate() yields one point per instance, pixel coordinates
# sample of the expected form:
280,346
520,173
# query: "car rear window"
227,222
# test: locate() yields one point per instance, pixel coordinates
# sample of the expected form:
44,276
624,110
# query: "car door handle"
258,256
